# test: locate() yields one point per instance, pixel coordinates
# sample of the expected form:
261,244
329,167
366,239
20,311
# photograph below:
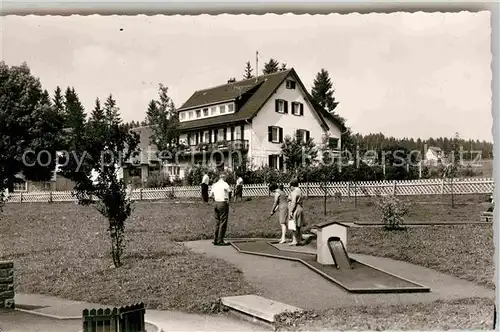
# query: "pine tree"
45,99
58,100
322,91
97,113
271,67
164,119
283,67
248,71
74,112
111,111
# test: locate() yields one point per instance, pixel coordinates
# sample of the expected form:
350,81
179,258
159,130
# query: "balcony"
234,145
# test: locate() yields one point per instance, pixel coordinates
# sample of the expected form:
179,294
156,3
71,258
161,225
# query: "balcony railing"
238,144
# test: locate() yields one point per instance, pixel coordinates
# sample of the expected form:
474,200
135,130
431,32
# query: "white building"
433,155
245,118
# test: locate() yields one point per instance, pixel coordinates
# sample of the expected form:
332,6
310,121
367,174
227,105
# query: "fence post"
50,197
349,189
394,188
140,194
442,186
21,196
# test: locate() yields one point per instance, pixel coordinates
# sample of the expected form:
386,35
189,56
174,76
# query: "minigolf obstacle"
331,260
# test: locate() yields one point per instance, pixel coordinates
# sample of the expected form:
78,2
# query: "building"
434,155
246,119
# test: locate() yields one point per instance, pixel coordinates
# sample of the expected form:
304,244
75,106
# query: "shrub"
158,180
194,174
393,211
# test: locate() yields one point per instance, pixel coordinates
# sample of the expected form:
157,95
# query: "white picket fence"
346,189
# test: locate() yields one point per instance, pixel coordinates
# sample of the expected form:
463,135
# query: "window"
213,110
290,84
297,108
237,132
275,161
207,136
190,114
220,135
275,134
333,143
230,108
302,135
173,170
134,171
281,106
205,112
222,109
183,115
198,113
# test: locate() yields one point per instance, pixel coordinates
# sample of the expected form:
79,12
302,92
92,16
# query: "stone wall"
6,284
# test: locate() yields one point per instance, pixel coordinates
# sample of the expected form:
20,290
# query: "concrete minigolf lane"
293,283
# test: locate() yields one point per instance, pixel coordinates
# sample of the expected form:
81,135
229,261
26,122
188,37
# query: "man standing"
204,187
239,190
220,194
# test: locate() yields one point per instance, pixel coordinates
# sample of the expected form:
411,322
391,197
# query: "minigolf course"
330,259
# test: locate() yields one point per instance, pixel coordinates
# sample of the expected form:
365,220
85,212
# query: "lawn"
62,249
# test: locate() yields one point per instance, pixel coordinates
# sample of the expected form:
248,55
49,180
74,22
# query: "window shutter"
308,135
280,163
277,105
285,106
281,135
242,131
225,134
197,139
232,133
270,133
301,109
270,160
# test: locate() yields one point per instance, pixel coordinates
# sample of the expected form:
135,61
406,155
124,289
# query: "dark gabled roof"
221,93
261,89
265,86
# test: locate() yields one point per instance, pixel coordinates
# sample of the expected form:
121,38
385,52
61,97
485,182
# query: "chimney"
231,80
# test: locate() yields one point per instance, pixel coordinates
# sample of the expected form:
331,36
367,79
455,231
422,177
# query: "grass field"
62,249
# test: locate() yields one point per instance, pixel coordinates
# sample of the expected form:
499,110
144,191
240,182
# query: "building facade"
240,121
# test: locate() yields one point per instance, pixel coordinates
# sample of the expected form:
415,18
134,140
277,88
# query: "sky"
403,74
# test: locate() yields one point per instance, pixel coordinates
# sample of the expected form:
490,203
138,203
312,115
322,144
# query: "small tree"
298,152
452,165
248,71
393,211
105,146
